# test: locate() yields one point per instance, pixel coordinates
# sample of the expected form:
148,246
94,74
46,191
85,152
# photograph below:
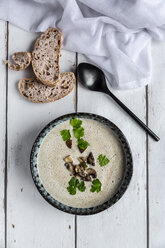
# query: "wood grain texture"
125,223
156,154
3,43
31,221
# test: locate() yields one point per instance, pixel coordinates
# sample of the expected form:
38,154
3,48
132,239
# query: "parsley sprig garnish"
65,134
96,186
78,131
82,144
81,186
75,123
103,160
74,184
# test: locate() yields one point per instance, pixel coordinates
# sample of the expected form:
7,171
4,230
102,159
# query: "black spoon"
93,78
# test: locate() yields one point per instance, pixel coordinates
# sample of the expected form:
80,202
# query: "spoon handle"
147,129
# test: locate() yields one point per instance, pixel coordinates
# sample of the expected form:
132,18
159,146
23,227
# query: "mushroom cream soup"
55,176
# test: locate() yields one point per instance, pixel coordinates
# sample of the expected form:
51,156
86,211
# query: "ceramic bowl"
127,173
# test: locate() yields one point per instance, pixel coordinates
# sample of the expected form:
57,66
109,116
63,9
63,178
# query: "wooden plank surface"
124,224
156,154
31,221
3,51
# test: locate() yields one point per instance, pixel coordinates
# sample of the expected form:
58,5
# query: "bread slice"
33,90
21,60
45,56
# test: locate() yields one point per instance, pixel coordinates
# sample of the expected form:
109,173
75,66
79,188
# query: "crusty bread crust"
16,67
48,83
63,74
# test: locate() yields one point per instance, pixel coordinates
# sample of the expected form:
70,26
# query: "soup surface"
55,176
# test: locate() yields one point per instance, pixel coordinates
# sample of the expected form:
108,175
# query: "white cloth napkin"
114,34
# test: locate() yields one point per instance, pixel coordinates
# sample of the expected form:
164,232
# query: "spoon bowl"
92,77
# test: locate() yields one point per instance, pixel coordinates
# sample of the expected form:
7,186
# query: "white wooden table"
26,219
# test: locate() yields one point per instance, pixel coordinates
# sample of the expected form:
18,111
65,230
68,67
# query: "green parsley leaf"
75,122
103,160
82,144
71,190
78,132
96,186
81,186
73,182
72,185
65,134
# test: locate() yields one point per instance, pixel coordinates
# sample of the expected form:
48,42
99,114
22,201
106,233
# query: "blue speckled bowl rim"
124,183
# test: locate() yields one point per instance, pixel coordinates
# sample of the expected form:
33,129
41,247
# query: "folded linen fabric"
114,34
